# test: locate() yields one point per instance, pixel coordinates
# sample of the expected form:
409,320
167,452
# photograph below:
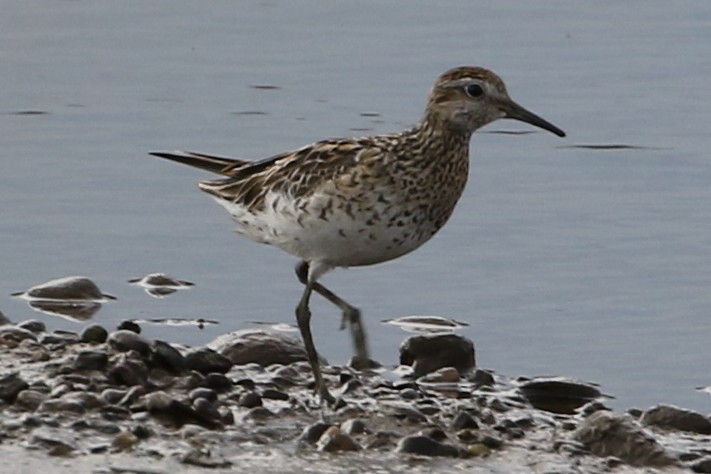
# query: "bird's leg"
303,318
351,314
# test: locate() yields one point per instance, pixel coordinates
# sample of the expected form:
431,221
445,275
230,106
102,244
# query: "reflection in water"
75,311
428,324
160,285
199,322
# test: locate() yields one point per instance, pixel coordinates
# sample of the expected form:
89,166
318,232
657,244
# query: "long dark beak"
516,112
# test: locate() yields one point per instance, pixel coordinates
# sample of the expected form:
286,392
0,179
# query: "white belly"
343,235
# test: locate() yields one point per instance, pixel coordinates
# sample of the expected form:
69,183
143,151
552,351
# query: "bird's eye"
474,90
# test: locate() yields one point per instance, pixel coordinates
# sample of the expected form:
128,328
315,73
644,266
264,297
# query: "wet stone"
258,346
428,353
273,394
201,392
259,413
124,340
13,333
670,417
129,325
124,441
94,334
30,399
425,446
333,440
443,375
606,434
464,420
482,378
702,465
60,338
250,400
206,410
557,395
353,426
58,405
10,386
55,441
217,382
91,360
312,433
167,357
128,371
33,326
206,361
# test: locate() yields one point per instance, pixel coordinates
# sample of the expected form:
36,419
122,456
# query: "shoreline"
115,401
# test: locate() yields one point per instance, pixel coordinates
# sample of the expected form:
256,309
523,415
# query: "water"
571,261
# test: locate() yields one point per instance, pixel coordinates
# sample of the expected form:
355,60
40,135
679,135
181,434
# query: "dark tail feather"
214,164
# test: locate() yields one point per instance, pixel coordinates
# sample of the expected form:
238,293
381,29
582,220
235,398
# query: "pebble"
425,446
274,394
353,426
206,361
57,442
258,346
464,420
202,392
10,386
443,375
167,357
128,370
91,360
94,334
124,340
129,325
124,441
30,399
250,400
607,434
218,382
558,395
312,433
427,353
33,325
333,440
671,417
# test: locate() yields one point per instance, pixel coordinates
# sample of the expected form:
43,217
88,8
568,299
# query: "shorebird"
349,202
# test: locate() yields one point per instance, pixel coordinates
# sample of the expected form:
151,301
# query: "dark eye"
474,90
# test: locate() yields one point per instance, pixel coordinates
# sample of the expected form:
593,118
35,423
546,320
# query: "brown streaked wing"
296,173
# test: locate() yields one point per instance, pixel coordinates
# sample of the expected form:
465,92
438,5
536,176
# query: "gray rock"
312,433
57,442
91,360
353,426
464,420
250,400
129,325
207,411
274,394
558,395
58,405
167,357
666,416
258,346
30,399
701,465
202,392
334,440
124,340
128,370
4,319
207,361
11,385
94,334
426,446
217,382
606,434
33,325
428,353
68,288
14,333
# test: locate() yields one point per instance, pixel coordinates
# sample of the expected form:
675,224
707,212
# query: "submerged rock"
74,288
431,352
10,386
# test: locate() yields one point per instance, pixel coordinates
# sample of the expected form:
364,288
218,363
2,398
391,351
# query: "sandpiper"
351,202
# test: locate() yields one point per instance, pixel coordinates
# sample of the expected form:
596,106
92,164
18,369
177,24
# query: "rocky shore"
115,402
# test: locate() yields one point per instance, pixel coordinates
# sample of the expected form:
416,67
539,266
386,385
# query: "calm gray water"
571,261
